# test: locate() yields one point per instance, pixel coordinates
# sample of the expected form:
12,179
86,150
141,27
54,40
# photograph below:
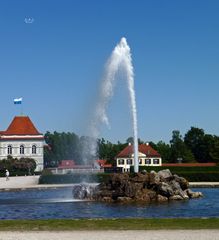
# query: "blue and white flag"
18,100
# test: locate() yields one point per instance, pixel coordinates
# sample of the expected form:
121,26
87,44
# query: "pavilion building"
22,140
147,156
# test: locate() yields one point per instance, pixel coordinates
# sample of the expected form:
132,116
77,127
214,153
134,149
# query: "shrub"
22,166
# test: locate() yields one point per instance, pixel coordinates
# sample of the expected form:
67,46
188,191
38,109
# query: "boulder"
165,189
129,189
107,199
141,177
154,178
176,197
165,174
161,198
138,187
192,194
124,199
145,195
184,184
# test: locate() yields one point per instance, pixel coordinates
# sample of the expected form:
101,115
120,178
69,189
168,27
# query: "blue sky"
56,63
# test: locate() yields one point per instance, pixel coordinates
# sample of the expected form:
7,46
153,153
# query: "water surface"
59,204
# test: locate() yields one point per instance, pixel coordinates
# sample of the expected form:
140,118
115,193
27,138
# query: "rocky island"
143,187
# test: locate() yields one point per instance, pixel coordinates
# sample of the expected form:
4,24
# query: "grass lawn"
108,224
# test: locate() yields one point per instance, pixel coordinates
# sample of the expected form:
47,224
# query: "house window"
121,162
156,161
21,149
140,160
147,161
9,149
34,149
129,161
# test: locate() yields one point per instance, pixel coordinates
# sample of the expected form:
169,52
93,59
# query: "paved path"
204,184
18,182
114,235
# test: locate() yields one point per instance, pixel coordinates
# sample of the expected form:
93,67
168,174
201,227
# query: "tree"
164,150
179,150
61,146
214,149
194,140
108,150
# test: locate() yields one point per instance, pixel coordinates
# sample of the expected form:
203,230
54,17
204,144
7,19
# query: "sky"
56,64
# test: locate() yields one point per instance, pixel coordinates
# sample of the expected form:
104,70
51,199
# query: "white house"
22,139
147,156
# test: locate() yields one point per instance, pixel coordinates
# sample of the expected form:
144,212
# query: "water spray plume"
120,59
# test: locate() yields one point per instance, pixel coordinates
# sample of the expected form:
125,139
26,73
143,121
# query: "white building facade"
22,140
147,156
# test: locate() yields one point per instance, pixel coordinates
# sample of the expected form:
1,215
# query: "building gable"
21,125
143,149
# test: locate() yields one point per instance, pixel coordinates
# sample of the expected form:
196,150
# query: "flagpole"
21,109
19,101
21,106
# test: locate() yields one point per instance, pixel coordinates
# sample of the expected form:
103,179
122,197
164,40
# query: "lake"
59,204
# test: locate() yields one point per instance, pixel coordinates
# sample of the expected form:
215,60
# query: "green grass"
108,224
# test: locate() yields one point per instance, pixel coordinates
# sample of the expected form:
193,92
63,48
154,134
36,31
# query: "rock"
146,195
107,199
165,189
183,194
124,199
176,197
184,184
175,186
144,171
118,180
129,189
138,187
154,178
192,194
141,178
165,174
161,198
178,190
83,191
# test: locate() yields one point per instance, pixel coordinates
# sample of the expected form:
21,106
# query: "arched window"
21,149
9,149
34,149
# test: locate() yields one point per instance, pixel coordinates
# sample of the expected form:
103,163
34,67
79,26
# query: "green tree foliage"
179,150
195,146
61,146
194,140
164,150
205,147
108,150
131,140
15,165
214,151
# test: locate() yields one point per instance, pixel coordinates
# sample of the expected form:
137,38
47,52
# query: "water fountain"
120,59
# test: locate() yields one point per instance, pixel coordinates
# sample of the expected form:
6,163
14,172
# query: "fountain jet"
120,59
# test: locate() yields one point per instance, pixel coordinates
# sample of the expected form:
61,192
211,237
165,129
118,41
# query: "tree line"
194,146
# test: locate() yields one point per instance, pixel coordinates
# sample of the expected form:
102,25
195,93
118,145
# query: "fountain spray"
120,59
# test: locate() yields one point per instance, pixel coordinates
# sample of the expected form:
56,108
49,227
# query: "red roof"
143,148
21,125
66,164
102,163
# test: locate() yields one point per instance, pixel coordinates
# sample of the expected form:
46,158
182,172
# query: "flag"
18,100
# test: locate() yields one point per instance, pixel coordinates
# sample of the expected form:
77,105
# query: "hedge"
192,174
73,178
